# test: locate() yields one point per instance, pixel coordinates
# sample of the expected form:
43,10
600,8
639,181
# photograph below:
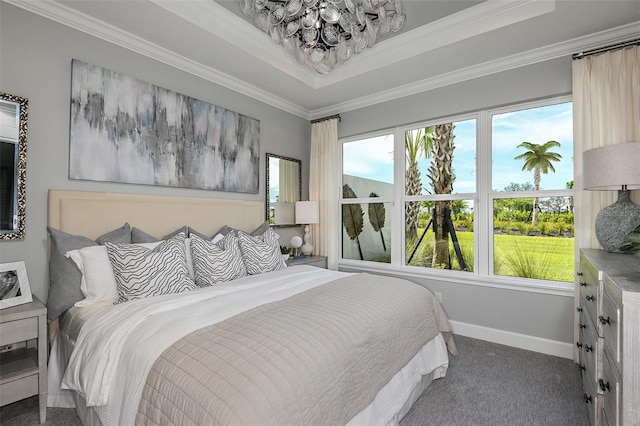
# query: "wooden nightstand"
23,371
319,261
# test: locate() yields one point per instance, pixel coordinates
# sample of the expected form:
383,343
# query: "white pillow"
98,283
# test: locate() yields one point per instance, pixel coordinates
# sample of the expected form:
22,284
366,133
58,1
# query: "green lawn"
550,258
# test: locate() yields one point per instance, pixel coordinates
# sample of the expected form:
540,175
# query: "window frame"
483,199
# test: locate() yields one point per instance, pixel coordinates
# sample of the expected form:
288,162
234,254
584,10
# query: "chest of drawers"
609,337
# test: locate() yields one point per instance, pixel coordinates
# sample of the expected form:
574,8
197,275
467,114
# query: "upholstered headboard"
93,213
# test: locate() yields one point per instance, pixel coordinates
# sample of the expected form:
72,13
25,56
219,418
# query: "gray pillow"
222,231
139,236
261,229
120,235
64,275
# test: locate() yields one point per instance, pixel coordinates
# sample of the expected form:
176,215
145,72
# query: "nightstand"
319,261
23,371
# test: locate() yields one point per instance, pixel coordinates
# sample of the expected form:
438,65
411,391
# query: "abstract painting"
126,130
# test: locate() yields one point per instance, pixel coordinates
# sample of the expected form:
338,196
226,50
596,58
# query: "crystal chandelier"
323,33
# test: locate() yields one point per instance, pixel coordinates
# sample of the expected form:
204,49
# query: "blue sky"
373,158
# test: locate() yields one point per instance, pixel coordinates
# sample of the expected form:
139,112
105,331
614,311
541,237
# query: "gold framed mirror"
13,165
284,188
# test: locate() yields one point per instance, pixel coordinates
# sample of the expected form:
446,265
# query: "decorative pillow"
64,276
217,235
139,236
98,283
142,272
262,229
214,263
261,253
120,235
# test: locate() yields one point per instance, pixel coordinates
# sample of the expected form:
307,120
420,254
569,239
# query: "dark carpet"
487,384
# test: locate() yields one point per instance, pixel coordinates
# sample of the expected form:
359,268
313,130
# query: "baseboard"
516,340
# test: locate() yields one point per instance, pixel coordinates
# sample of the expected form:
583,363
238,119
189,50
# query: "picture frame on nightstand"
14,285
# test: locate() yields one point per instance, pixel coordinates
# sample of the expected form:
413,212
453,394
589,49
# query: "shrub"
525,265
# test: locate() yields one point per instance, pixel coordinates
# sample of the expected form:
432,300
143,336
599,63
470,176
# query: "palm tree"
539,159
442,177
416,142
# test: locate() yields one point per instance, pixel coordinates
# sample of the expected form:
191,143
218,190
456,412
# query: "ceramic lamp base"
307,249
614,222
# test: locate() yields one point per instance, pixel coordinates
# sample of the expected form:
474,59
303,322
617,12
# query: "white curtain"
288,181
606,111
324,187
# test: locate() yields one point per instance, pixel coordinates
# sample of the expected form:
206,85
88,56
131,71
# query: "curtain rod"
615,46
318,120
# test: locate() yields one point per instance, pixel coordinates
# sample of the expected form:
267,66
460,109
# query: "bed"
274,345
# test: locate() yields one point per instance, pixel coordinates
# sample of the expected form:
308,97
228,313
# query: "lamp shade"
307,212
610,167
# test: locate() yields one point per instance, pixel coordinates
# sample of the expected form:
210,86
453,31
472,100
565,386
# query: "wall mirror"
284,188
13,165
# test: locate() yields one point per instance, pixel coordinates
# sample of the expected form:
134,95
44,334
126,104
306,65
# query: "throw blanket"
318,357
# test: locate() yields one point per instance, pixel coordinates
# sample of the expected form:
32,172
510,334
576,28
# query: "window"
532,203
367,193
440,186
487,194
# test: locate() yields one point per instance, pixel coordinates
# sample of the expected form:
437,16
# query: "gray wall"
35,63
533,314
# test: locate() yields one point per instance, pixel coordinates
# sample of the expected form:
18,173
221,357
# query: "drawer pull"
579,309
604,320
583,284
588,348
578,344
582,326
587,398
590,298
580,274
604,386
582,367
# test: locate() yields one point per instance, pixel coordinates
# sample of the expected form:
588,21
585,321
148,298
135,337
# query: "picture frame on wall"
14,285
130,131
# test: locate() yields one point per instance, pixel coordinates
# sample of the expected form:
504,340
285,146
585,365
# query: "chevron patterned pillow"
261,253
215,263
141,272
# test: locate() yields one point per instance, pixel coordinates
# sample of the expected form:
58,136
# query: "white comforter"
117,347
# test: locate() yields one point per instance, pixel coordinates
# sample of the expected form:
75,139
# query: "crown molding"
69,17
473,21
226,25
467,23
64,15
531,57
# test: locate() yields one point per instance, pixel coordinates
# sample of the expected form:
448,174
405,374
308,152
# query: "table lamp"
610,168
307,212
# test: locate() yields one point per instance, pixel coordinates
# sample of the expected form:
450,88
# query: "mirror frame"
18,233
266,193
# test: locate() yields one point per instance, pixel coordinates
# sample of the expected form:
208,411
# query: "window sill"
465,278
